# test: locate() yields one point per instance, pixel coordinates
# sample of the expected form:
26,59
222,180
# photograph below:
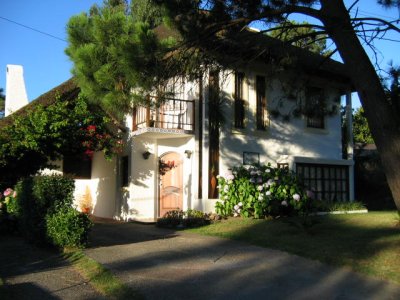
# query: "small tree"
360,128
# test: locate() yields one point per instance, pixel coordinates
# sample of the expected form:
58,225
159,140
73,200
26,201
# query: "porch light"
188,153
146,154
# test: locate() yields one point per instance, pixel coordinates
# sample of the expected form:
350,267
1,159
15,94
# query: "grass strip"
367,243
99,277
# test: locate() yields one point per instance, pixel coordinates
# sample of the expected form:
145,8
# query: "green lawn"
368,243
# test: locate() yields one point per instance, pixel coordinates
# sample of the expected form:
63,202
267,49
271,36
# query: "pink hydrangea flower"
7,192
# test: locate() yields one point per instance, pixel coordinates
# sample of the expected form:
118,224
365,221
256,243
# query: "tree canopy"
116,54
300,35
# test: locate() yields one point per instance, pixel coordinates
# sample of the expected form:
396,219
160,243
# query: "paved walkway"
164,264
38,274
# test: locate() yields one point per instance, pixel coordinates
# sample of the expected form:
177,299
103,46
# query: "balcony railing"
170,114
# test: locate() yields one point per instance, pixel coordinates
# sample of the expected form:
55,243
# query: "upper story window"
239,101
261,110
315,108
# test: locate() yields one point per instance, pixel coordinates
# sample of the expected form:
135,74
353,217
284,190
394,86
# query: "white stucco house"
173,154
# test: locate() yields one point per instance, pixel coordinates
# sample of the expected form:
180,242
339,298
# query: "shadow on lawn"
187,265
331,239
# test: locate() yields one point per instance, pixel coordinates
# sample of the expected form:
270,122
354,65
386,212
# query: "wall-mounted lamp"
146,154
188,153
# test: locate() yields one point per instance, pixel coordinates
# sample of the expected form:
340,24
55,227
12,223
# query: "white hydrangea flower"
236,207
240,204
268,193
260,197
284,203
296,197
260,188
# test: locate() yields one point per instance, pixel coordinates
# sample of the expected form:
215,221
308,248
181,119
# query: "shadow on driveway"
35,273
167,264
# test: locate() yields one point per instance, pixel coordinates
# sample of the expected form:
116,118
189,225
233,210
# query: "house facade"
176,148
257,113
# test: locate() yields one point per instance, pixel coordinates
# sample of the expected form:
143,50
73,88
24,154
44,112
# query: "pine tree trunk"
384,123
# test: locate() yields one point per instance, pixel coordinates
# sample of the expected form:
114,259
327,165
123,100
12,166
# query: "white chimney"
16,96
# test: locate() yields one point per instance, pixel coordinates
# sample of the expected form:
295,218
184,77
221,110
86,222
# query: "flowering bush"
96,138
9,203
262,191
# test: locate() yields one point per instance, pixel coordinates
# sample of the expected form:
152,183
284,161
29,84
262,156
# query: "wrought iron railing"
170,114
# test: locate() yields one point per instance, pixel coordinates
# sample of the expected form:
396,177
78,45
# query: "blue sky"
42,56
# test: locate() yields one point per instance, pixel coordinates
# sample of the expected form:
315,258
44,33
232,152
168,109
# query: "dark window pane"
261,103
125,171
315,108
239,102
77,166
329,182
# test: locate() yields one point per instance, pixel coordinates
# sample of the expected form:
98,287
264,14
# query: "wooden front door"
171,183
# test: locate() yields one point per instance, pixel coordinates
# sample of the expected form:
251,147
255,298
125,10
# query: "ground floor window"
329,182
77,166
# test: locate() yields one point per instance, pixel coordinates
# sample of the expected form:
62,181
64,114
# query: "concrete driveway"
165,264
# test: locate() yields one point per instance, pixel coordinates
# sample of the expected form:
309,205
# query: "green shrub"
39,196
343,206
262,191
53,192
68,228
180,218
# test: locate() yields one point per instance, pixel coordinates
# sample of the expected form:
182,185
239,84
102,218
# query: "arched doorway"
171,182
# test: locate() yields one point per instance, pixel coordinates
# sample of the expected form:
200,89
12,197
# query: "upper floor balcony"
173,116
